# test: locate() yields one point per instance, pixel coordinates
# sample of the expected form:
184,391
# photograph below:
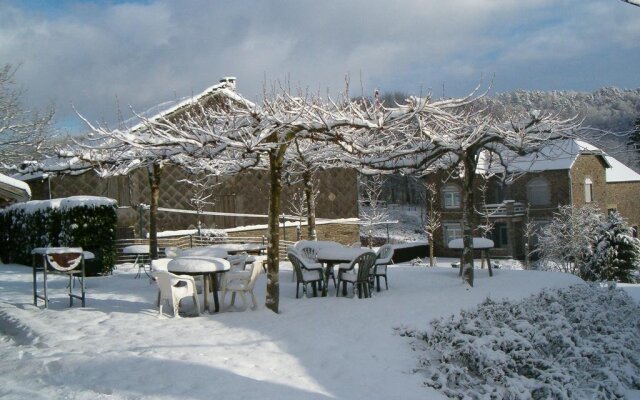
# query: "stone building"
566,172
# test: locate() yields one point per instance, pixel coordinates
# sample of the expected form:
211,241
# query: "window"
499,235
451,196
451,231
588,190
538,192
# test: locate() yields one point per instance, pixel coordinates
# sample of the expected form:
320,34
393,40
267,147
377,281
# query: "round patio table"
207,267
332,255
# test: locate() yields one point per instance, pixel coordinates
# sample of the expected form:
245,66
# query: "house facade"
530,191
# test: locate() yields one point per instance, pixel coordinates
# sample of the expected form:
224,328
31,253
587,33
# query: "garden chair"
305,274
240,282
174,288
384,255
360,278
172,252
310,254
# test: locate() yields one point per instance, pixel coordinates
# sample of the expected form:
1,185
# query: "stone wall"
625,197
592,167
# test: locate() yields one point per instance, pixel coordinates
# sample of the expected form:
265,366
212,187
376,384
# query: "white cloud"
145,53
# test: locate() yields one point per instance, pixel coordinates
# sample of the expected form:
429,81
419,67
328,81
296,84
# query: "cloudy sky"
97,54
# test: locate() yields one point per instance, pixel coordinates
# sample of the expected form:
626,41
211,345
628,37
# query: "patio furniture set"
220,267
314,262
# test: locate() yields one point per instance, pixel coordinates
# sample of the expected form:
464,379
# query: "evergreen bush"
81,221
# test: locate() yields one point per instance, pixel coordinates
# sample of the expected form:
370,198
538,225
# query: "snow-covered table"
141,251
482,244
64,260
234,248
207,267
207,251
332,255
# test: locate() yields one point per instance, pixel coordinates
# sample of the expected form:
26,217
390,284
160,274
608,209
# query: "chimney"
230,80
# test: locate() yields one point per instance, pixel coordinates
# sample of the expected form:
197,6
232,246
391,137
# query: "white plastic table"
64,260
332,255
207,267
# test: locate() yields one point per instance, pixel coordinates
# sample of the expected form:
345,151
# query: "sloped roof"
13,190
562,154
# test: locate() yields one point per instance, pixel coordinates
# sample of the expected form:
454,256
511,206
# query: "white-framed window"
451,231
588,190
538,193
451,196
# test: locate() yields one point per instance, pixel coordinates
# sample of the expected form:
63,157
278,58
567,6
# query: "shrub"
574,343
82,221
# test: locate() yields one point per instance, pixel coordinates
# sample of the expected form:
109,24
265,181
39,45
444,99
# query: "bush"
82,221
574,343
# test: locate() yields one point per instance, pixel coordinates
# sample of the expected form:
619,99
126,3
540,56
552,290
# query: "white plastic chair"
172,252
240,282
174,288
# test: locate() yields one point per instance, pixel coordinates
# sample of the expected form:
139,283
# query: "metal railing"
504,209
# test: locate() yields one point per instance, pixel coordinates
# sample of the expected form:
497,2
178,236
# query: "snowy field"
317,348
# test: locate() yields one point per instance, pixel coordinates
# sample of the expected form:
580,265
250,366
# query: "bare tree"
453,133
568,240
372,208
202,186
303,163
22,131
432,221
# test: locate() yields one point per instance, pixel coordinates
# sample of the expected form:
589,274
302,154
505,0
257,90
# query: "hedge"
80,221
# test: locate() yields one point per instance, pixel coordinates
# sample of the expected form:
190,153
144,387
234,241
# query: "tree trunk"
276,158
154,184
311,205
431,252
468,218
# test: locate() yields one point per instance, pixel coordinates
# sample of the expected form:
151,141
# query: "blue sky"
103,55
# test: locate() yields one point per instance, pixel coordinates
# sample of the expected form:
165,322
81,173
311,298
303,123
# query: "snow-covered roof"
13,190
63,203
562,154
225,87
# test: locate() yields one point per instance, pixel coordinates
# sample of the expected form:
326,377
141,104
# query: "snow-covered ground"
316,348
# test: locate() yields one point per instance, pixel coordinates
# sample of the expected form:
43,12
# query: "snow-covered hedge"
85,221
575,343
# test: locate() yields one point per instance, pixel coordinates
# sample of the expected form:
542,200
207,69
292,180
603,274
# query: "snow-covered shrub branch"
574,343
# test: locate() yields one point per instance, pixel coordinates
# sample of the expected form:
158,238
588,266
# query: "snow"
9,181
562,154
63,203
316,348
478,243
